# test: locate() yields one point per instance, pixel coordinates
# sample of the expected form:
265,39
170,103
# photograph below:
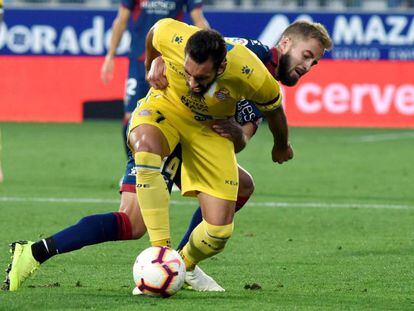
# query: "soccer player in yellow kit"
299,48
206,77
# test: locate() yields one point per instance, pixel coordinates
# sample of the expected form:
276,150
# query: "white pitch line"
384,137
194,203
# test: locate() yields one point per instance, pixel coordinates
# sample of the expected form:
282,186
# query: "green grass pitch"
331,230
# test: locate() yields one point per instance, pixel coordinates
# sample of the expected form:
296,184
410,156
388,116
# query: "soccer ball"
159,271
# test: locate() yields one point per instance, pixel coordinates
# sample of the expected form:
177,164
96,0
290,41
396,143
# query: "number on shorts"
172,167
131,86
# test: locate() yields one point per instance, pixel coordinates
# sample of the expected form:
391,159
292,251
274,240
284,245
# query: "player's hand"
156,75
107,70
281,155
228,128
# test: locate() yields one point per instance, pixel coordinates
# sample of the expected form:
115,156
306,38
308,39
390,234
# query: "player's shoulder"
165,22
170,23
173,30
245,63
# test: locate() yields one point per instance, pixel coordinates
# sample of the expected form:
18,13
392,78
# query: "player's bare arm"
282,150
156,76
154,64
198,18
118,28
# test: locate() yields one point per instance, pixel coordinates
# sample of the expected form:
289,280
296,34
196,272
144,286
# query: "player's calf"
206,241
129,206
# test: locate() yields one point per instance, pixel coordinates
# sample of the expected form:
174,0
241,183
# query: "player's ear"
284,44
222,67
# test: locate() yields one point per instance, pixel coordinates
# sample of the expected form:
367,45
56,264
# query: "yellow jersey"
245,76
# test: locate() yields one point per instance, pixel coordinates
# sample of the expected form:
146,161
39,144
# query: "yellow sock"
206,241
153,197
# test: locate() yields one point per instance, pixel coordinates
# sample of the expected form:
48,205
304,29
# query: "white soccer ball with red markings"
159,271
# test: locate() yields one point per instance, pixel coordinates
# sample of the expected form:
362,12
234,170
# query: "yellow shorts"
209,162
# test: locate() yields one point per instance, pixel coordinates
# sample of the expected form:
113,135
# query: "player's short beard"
204,88
284,75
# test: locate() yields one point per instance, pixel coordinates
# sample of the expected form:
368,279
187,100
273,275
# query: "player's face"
199,76
297,58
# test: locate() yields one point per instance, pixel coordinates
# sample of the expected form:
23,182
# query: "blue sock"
195,220
89,230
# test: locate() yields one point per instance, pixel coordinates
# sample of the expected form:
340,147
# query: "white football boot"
136,291
199,281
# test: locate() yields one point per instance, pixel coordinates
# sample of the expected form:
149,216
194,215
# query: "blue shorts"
136,87
171,171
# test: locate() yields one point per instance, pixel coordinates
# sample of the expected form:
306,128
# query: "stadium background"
330,230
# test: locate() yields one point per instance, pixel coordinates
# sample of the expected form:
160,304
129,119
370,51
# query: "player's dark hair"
205,44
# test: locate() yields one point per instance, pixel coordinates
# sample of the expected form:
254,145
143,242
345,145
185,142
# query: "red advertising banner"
53,89
355,94
334,93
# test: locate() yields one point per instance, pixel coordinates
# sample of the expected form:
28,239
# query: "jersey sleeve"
260,86
262,51
268,95
170,37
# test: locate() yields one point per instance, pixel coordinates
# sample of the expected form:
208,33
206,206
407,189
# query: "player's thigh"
150,131
209,166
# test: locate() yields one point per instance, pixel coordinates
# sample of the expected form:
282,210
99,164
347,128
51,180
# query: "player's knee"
148,138
246,185
138,228
139,142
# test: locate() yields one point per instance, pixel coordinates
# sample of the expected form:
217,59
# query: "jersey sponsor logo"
222,94
195,103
